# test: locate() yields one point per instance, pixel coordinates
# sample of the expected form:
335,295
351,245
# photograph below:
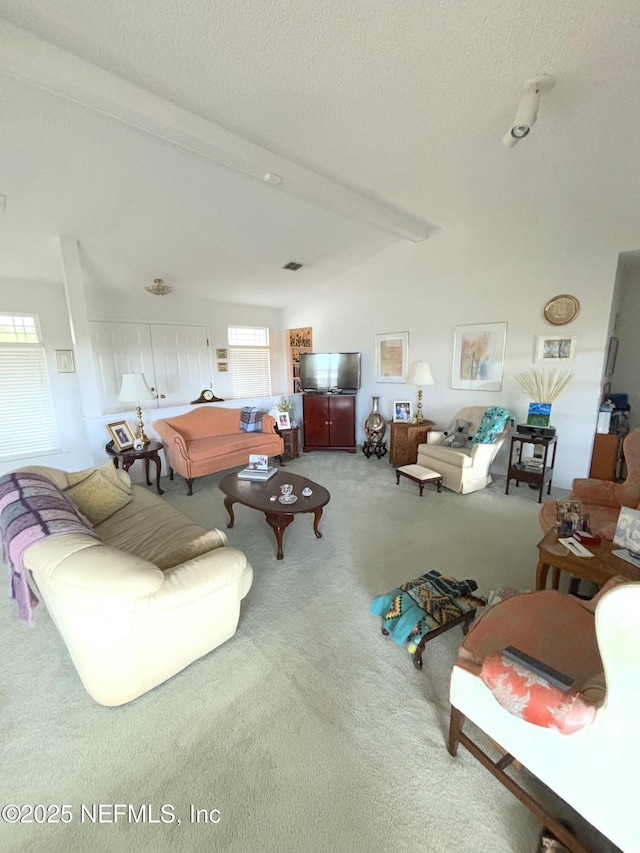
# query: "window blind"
249,363
27,424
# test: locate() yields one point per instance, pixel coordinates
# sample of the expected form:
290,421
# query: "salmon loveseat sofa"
209,439
136,589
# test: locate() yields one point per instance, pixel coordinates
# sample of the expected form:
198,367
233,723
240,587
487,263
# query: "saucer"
291,499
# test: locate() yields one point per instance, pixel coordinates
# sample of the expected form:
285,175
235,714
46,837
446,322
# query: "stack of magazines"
533,463
258,469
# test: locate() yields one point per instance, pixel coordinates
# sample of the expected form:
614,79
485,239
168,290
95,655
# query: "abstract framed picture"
555,348
478,356
392,356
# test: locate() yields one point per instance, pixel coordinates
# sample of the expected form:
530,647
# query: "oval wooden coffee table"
279,516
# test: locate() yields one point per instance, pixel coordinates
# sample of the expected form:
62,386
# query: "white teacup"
307,492
286,490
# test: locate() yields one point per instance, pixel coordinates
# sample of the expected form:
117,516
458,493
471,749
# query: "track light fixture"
528,108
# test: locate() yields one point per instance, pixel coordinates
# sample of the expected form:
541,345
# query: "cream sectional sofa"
152,594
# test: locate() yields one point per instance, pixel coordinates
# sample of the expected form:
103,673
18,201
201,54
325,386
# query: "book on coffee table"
257,475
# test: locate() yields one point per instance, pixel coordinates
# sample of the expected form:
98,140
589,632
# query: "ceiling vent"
292,265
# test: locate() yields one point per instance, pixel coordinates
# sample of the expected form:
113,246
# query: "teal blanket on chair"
492,423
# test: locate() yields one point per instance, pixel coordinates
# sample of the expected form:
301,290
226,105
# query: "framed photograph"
283,420
555,348
392,357
64,360
121,434
221,353
478,357
612,353
223,366
402,411
606,390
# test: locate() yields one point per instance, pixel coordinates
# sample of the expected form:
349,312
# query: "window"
27,423
249,361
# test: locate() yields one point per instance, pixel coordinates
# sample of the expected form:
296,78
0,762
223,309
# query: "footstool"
422,609
419,475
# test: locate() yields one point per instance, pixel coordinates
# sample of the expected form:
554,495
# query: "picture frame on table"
392,356
121,435
402,411
556,349
478,356
284,422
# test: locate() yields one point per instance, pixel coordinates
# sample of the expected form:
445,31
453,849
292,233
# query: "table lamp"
134,388
419,375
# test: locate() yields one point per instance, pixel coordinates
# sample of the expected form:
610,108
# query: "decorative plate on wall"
561,310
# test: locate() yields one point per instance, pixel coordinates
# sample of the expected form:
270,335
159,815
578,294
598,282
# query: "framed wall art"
64,361
555,348
612,353
392,357
221,353
223,366
478,356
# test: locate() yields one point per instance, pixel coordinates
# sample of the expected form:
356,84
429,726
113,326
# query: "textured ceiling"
403,100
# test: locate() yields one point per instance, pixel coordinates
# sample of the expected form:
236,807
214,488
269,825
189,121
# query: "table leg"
146,470
127,463
555,582
278,524
116,461
317,515
541,574
228,503
158,461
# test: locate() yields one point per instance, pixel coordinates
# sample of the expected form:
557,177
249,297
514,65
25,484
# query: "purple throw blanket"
32,508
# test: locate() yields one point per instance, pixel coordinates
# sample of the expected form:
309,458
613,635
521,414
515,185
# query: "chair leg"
171,473
189,482
456,722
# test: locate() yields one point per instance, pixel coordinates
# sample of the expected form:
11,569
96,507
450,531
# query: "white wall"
459,277
626,379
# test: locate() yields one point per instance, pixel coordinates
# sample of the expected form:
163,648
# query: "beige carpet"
308,731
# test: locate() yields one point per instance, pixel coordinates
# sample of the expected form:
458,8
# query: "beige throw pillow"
196,548
100,493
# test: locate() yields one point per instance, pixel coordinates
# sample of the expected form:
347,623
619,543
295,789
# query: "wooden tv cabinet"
329,422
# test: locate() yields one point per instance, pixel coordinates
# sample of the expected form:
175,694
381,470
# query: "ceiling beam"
37,62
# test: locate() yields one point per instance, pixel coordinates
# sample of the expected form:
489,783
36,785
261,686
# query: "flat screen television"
327,371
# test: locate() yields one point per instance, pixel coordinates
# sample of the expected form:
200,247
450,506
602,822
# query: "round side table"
128,457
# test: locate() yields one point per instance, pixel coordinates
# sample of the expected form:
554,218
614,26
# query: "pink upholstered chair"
581,744
602,499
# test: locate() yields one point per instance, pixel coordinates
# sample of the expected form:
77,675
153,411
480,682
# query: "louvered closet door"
121,348
181,361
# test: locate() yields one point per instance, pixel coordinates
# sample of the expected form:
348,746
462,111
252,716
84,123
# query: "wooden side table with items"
405,439
538,475
128,457
291,441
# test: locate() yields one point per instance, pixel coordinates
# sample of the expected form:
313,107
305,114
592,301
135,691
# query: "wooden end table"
405,439
599,568
517,471
128,457
291,441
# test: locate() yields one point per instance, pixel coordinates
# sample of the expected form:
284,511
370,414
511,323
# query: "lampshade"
420,374
134,388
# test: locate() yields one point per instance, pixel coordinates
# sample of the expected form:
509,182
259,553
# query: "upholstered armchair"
581,743
463,469
603,499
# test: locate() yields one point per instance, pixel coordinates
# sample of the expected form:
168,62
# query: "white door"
121,348
181,361
173,359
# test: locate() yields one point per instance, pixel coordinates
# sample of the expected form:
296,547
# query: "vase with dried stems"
543,387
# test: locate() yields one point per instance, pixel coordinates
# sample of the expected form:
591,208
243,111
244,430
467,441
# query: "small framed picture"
121,435
556,348
402,411
64,361
223,366
284,421
221,353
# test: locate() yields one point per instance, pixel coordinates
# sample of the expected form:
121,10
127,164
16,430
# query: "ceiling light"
158,288
528,108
